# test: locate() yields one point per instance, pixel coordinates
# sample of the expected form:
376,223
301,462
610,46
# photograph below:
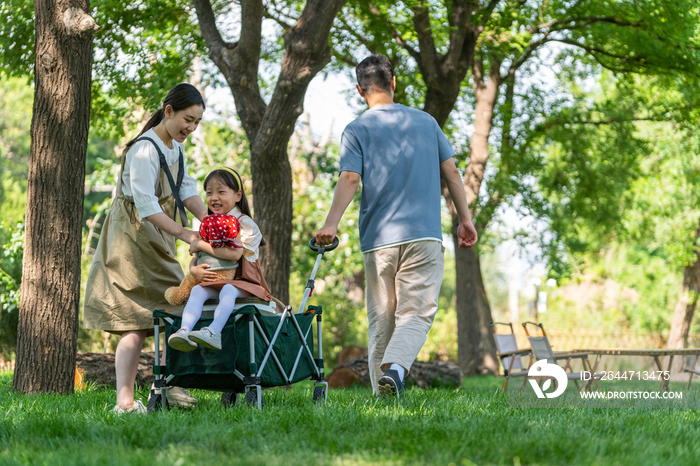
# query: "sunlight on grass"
473,425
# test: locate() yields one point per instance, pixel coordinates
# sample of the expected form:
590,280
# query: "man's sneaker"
180,341
178,396
138,408
206,338
390,385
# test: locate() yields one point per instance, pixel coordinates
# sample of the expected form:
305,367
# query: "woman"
135,258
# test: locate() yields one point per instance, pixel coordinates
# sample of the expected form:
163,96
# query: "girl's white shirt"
249,237
142,174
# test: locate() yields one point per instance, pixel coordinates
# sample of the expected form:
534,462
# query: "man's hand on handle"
325,235
466,234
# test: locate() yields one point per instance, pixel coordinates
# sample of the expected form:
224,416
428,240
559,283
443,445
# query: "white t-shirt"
141,174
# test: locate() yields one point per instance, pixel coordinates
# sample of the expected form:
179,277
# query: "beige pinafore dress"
133,266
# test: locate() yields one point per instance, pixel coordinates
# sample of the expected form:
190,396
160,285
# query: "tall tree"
48,318
443,43
269,126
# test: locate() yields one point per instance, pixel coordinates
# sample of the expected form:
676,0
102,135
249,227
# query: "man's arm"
466,231
344,192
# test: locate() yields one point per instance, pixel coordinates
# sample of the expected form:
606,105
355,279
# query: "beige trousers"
403,284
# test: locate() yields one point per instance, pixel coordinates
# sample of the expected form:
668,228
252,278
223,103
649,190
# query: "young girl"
225,195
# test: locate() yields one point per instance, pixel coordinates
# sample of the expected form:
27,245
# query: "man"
399,154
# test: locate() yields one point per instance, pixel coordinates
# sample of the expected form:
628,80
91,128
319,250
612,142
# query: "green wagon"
261,348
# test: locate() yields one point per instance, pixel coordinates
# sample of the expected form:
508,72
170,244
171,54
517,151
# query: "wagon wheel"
319,394
155,403
229,399
252,399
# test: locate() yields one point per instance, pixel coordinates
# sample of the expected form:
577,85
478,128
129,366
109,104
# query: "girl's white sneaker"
180,341
206,338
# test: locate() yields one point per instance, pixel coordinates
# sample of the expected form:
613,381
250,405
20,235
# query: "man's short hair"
375,71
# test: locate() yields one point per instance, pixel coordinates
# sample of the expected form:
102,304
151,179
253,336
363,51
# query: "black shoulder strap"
175,188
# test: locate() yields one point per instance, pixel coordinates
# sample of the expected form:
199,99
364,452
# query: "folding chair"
509,354
692,371
541,349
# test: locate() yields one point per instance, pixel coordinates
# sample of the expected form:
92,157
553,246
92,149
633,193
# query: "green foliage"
664,211
16,99
622,288
11,253
17,38
647,235
142,50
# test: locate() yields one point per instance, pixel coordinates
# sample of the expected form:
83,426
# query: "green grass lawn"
473,425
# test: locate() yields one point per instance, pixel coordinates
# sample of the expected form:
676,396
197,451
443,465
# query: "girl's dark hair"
229,180
179,98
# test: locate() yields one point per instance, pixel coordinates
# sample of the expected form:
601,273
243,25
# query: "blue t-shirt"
397,151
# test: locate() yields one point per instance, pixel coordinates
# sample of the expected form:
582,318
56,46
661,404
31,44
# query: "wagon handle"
322,249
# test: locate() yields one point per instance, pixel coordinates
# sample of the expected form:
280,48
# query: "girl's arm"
200,272
232,254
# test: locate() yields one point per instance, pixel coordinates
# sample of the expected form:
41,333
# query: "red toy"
219,230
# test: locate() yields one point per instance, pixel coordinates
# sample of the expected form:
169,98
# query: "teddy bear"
219,230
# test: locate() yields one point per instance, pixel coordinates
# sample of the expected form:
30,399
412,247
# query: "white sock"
227,299
193,308
398,369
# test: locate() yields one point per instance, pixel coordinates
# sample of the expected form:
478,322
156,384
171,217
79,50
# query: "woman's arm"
168,225
232,254
195,205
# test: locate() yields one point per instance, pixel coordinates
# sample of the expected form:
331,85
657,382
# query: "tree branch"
395,34
587,21
306,53
238,62
488,11
459,36
428,54
527,54
363,40
207,24
595,52
277,19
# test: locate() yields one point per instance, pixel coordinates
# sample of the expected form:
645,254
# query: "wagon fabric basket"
226,369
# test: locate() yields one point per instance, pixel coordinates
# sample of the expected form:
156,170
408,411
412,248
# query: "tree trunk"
685,307
467,305
272,196
477,350
48,317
